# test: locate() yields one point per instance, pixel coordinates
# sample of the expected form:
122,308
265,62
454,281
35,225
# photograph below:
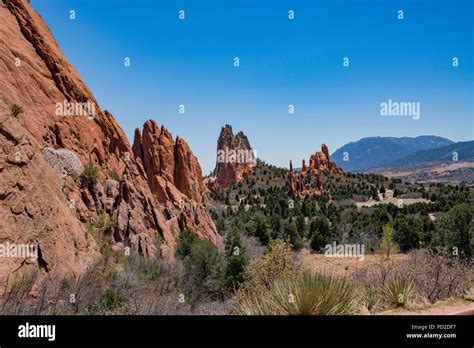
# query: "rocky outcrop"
320,161
188,174
63,161
309,180
167,161
42,199
175,178
235,159
34,210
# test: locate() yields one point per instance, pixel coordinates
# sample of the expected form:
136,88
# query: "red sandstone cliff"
42,201
175,178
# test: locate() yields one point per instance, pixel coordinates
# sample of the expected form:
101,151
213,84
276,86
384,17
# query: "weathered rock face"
309,179
34,210
235,158
321,161
168,161
64,162
175,178
41,200
188,173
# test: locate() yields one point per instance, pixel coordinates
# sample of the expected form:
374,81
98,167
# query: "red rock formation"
210,183
155,149
235,158
319,162
304,169
188,174
168,161
40,205
175,177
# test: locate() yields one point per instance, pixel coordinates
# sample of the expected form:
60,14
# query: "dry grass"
345,266
114,286
427,278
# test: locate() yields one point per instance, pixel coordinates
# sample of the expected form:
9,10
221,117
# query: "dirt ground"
390,199
452,307
342,266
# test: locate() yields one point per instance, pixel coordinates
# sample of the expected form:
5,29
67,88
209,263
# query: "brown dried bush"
116,284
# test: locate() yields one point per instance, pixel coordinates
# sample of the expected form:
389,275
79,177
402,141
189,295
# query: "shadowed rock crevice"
42,264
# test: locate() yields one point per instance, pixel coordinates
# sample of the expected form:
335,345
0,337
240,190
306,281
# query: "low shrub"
114,176
111,300
117,284
276,263
426,275
203,270
398,291
90,175
307,294
185,241
106,224
439,274
16,110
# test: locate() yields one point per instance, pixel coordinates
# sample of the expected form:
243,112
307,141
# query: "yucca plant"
307,294
340,297
370,296
399,291
251,304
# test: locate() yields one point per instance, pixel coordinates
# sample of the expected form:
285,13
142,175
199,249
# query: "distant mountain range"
463,150
384,152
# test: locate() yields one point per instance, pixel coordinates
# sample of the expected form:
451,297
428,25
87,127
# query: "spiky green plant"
370,296
307,294
398,291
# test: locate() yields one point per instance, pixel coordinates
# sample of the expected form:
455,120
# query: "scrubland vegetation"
260,270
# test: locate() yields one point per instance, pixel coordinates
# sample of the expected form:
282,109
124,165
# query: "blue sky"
282,62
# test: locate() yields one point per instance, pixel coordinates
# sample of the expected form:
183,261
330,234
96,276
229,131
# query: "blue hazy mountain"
376,152
461,151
